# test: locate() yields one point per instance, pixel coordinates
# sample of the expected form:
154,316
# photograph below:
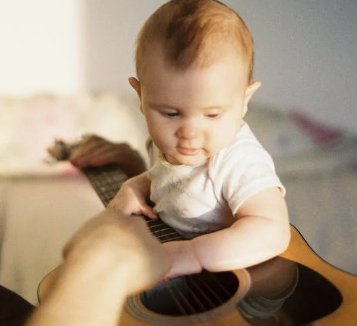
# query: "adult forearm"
88,298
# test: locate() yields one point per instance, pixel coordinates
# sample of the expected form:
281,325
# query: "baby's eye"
213,115
171,114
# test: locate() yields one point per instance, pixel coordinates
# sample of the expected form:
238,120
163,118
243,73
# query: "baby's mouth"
188,151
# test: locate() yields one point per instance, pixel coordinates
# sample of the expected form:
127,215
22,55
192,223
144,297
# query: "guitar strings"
197,300
157,227
219,284
175,291
209,289
203,294
180,299
178,304
173,234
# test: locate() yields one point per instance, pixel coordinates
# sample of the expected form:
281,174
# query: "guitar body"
329,293
136,314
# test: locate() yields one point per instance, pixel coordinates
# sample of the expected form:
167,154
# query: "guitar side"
300,252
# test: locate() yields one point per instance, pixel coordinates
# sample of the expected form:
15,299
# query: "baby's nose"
188,130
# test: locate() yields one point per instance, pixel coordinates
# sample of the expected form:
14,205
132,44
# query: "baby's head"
194,62
193,33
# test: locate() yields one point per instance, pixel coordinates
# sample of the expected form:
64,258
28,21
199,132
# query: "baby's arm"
261,232
131,198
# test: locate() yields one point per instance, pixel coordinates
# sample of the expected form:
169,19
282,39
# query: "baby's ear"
136,85
251,89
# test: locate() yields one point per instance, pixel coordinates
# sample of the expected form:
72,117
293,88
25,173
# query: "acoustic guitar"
324,295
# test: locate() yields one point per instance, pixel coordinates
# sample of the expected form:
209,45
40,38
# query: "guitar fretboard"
107,180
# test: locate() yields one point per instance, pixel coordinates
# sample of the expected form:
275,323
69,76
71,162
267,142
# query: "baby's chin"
186,160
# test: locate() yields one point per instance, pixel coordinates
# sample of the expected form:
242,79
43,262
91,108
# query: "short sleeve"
256,177
243,170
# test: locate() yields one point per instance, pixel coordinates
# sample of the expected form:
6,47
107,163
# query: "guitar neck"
106,182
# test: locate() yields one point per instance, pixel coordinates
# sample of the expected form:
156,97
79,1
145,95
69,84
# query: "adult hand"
112,256
97,151
121,240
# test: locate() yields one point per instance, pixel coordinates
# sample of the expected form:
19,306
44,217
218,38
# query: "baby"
209,177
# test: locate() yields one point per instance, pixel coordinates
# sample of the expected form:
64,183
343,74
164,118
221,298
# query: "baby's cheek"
220,141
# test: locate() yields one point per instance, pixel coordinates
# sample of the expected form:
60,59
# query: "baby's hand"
130,200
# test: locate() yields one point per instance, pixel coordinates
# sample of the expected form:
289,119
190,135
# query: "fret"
106,181
162,231
165,235
170,239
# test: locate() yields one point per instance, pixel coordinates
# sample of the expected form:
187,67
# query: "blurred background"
63,71
305,50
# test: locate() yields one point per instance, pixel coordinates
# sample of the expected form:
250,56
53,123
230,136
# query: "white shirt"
201,199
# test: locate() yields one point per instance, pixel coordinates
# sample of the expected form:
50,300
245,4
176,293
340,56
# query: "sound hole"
192,294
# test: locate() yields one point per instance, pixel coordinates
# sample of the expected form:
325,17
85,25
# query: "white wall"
40,46
305,50
306,56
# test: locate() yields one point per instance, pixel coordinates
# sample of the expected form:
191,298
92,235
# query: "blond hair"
192,32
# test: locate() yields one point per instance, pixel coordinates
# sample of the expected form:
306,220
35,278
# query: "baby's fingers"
149,212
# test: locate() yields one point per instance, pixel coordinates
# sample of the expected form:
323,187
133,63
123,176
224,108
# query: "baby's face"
192,114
